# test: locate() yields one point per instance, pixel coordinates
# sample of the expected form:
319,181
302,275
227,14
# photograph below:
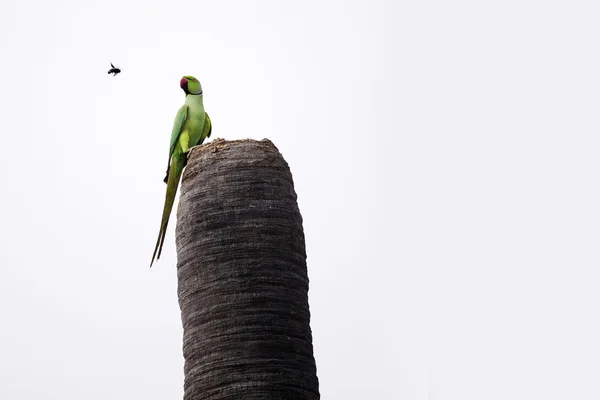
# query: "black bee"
114,70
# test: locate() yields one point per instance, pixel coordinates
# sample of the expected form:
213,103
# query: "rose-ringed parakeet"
192,125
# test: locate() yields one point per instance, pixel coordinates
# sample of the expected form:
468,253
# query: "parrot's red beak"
183,83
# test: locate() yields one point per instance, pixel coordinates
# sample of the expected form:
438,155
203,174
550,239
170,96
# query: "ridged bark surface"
242,276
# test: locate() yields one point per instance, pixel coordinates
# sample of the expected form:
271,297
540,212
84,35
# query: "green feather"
172,183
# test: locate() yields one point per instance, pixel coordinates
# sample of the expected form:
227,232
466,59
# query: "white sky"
445,156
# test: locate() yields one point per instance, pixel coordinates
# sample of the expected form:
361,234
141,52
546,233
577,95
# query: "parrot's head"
190,85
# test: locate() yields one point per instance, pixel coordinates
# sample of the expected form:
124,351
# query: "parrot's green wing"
177,125
207,126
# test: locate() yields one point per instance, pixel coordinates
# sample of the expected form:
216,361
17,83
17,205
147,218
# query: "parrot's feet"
190,151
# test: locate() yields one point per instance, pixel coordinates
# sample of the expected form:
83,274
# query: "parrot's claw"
190,151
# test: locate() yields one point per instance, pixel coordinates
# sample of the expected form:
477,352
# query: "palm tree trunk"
242,278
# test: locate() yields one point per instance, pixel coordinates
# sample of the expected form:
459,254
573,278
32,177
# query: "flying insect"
114,70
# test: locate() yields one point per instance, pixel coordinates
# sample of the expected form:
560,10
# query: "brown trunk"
243,284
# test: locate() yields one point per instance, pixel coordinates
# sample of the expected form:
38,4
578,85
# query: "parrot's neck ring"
194,94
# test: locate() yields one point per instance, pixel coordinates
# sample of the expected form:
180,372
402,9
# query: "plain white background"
445,156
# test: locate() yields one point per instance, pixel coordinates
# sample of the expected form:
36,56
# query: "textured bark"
242,278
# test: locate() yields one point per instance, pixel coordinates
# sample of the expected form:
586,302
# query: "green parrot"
192,125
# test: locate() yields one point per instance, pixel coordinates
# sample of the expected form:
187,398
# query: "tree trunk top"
220,144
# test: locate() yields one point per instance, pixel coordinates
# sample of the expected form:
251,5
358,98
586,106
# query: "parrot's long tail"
172,183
